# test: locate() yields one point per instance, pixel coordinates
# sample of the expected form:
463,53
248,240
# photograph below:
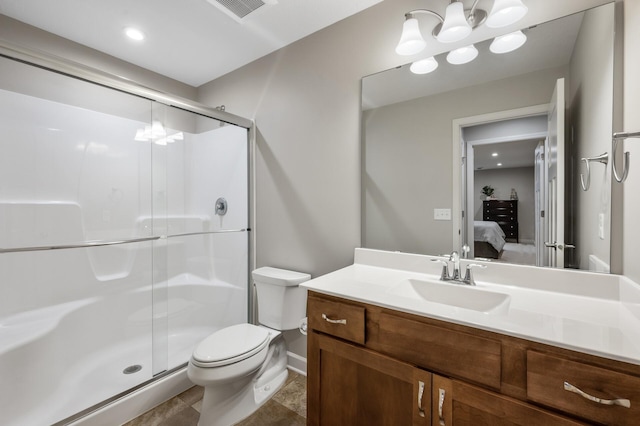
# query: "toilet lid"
231,344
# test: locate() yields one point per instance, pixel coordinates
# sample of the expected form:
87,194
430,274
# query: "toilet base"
228,404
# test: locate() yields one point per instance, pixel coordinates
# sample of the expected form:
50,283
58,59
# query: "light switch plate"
442,214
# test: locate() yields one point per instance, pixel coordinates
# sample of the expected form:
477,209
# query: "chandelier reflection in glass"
157,134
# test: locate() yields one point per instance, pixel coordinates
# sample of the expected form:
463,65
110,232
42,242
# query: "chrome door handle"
555,245
620,401
420,394
441,406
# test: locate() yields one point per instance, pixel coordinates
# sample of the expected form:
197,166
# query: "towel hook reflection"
602,158
625,156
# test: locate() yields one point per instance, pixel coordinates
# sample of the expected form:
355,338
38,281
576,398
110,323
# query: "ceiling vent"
241,9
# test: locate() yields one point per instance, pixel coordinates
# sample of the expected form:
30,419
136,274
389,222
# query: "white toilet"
242,366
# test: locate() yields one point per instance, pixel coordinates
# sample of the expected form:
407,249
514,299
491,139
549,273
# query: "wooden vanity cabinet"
352,385
382,367
458,403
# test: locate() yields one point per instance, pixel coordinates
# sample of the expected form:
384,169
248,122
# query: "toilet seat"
230,345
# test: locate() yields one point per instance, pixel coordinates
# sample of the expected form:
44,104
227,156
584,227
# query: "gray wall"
305,100
502,180
590,95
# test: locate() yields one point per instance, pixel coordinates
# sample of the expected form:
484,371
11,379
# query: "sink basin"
456,295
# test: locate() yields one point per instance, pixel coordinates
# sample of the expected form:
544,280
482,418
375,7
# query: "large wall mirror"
489,155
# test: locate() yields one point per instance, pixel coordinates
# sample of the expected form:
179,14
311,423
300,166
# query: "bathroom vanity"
390,344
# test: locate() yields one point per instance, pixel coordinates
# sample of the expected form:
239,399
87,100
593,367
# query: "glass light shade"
455,26
462,55
424,66
506,12
411,40
508,42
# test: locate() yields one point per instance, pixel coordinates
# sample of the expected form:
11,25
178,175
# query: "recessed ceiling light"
495,154
134,34
499,164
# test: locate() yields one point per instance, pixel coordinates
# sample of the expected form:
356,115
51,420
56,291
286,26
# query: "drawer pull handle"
333,321
621,402
441,406
420,394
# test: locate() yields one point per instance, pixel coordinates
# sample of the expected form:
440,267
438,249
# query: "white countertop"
588,312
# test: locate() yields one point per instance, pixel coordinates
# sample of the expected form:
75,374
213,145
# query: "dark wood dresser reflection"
505,213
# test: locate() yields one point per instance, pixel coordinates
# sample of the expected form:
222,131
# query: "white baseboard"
297,363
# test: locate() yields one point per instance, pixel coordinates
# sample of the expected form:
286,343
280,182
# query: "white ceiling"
510,154
191,41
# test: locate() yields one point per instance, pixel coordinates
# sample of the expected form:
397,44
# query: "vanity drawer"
442,350
337,319
546,377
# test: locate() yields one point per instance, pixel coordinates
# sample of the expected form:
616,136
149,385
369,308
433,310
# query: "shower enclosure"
124,238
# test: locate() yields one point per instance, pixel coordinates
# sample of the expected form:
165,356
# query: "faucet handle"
444,276
468,276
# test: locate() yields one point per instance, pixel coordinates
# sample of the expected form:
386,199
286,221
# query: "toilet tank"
282,303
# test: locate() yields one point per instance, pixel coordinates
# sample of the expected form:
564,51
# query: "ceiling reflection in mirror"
417,183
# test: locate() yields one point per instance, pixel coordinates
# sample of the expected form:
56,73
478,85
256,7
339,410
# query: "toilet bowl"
243,365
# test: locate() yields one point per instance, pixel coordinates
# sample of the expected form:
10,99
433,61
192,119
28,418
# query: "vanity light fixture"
508,42
134,34
457,24
462,55
424,66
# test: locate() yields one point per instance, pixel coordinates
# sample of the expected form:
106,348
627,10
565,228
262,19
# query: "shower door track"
78,416
73,69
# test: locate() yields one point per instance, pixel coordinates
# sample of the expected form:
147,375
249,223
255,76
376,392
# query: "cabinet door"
457,403
351,385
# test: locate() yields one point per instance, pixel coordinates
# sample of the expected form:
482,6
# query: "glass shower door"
75,259
203,212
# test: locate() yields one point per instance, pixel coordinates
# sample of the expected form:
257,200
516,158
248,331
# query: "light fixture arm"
475,17
472,10
409,15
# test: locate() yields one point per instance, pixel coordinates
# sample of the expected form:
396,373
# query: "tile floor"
288,407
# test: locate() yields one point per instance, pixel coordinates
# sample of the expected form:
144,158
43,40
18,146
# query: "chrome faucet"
455,276
455,258
468,276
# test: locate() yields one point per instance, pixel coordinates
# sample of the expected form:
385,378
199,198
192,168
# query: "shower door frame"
91,75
